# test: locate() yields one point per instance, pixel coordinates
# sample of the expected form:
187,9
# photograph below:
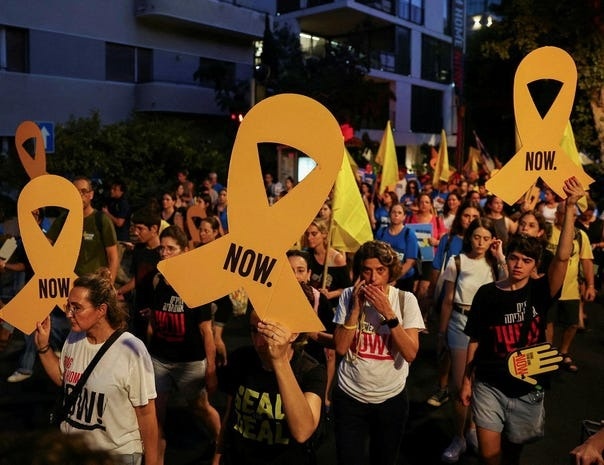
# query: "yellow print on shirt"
260,417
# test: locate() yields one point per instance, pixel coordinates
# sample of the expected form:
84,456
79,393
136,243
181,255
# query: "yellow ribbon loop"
252,254
541,154
53,265
35,166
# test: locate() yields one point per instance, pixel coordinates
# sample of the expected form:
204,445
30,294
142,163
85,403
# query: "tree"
495,52
338,79
144,151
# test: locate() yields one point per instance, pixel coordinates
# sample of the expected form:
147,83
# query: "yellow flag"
473,162
353,165
386,157
570,147
350,226
441,171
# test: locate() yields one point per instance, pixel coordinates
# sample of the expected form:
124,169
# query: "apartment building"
63,58
414,45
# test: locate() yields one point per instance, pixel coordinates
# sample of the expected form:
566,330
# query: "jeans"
59,329
382,424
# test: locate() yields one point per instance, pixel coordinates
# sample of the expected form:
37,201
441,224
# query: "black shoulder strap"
73,395
457,261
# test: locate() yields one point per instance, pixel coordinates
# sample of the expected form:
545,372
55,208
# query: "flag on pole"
474,161
570,147
441,170
353,165
350,225
490,163
386,157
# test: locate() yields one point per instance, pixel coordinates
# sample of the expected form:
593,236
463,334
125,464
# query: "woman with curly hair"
377,334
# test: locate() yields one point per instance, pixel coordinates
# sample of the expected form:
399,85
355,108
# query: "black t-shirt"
257,432
496,321
144,268
337,277
325,313
176,335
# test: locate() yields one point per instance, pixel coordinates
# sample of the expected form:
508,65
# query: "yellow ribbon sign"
541,155
533,360
252,254
53,265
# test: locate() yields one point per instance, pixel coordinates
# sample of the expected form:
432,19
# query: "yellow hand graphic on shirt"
533,360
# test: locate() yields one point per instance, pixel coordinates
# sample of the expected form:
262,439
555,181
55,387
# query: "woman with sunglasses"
116,407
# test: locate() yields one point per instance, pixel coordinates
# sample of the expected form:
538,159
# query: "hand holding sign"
533,360
252,254
53,265
541,155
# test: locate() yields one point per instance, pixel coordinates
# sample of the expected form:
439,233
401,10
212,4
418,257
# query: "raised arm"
557,269
302,409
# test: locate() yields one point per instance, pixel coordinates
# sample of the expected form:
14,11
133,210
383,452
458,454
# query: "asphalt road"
573,397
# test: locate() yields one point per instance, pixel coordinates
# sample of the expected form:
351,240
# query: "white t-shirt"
473,274
122,379
371,372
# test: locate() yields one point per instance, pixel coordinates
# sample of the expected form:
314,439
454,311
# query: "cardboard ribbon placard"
541,155
53,265
252,254
533,360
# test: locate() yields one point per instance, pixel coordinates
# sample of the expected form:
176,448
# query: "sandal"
568,363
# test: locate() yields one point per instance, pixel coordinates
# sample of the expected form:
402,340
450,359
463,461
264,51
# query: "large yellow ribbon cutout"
541,154
252,254
53,265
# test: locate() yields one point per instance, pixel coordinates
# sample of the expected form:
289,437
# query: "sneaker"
439,397
17,377
472,440
454,451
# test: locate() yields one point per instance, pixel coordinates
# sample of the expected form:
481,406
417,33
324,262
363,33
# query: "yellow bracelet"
351,327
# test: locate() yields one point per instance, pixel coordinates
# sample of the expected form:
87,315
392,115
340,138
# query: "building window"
411,10
124,63
216,74
17,50
436,60
144,65
119,62
403,51
426,110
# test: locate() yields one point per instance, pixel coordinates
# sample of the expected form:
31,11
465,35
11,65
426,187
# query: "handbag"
65,402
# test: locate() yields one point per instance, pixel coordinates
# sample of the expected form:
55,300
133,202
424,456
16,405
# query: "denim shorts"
187,378
456,338
520,419
129,459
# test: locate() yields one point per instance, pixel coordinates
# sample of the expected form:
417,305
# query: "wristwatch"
391,323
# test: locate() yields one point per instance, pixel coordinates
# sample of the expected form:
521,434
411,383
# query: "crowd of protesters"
526,269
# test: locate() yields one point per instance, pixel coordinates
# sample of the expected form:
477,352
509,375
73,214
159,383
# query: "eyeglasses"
84,191
70,308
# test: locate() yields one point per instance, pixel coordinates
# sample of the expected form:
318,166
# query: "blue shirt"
446,249
404,243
